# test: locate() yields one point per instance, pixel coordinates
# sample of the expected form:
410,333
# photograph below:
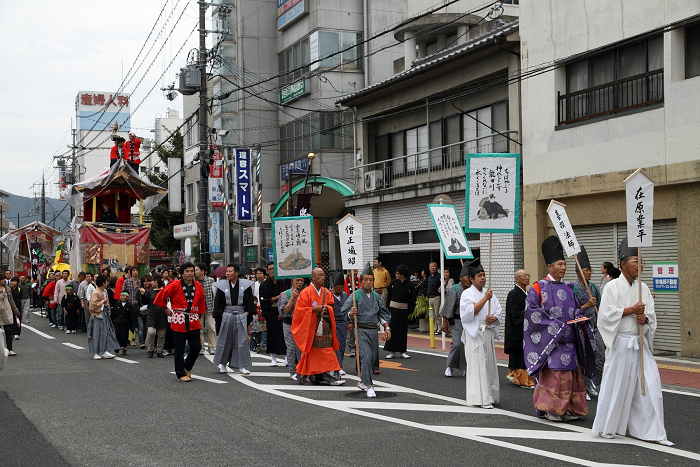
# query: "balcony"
610,98
441,163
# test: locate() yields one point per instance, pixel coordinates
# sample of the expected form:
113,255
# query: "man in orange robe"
313,329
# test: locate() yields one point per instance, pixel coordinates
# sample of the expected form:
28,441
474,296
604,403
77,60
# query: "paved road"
59,407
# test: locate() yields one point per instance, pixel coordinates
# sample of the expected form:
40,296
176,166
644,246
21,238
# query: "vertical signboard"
350,233
216,179
243,186
293,243
313,50
640,208
449,229
492,193
215,232
562,225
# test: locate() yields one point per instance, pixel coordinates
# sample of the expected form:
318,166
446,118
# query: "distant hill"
24,206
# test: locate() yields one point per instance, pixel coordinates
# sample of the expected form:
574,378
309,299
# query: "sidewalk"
674,371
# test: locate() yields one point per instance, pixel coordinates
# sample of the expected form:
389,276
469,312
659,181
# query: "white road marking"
125,360
204,378
37,331
73,346
505,365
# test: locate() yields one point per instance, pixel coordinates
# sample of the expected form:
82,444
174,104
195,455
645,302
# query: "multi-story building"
453,95
622,95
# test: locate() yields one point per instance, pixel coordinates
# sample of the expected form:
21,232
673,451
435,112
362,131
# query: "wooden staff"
585,282
354,303
490,256
641,327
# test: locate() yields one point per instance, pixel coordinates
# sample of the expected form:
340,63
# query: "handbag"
319,329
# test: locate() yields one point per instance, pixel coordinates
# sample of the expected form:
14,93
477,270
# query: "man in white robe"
480,321
621,405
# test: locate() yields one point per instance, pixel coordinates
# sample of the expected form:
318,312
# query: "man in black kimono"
513,344
270,292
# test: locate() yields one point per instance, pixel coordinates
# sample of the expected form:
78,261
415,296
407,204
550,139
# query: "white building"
624,95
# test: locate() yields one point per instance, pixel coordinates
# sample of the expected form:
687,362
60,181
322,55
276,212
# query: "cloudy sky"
53,49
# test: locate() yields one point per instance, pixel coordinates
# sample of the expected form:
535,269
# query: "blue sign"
270,255
666,284
296,167
291,15
214,232
243,188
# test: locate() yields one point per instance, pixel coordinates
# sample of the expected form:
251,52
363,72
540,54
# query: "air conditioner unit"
373,179
266,211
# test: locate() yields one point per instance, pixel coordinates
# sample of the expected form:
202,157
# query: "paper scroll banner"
560,221
492,193
640,208
293,241
350,233
449,229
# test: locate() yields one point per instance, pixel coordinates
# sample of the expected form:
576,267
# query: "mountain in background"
24,206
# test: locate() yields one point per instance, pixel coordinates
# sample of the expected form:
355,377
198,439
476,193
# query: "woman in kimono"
101,336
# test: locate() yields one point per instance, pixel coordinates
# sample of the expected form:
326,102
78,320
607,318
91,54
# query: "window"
315,131
627,77
477,132
189,198
425,236
395,238
330,42
692,51
296,56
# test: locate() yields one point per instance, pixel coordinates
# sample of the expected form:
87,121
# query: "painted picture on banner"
293,242
449,229
493,184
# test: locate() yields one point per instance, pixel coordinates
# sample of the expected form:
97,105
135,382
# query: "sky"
51,50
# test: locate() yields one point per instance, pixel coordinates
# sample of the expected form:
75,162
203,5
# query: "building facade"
452,97
622,96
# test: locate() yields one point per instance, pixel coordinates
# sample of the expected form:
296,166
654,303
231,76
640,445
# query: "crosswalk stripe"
73,346
38,332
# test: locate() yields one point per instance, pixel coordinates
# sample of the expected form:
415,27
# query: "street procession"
357,232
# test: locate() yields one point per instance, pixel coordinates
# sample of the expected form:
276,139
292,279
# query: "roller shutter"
601,242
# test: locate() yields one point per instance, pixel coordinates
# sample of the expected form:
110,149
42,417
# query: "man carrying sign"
480,321
621,405
553,346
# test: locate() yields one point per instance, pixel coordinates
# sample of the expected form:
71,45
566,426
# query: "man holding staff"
553,345
621,405
369,309
480,313
313,328
285,306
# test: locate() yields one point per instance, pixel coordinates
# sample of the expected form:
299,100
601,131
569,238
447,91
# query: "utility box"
190,80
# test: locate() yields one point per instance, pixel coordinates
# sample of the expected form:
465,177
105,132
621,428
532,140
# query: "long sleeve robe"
314,360
515,314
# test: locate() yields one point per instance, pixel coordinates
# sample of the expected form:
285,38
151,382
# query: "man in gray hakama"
233,303
452,322
370,310
285,306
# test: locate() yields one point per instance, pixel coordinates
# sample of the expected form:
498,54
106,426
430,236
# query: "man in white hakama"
480,329
621,405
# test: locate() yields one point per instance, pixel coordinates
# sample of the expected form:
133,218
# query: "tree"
162,219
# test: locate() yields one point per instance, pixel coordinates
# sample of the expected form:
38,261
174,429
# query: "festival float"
105,235
34,248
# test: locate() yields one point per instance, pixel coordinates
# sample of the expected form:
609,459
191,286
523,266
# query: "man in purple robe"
555,351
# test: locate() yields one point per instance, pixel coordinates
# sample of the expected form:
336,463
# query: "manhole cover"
361,395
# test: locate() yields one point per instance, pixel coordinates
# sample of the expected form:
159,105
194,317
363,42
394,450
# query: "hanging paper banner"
449,229
565,232
492,193
350,233
243,186
293,243
639,191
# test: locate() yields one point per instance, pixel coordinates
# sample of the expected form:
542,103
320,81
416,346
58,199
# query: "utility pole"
73,165
203,147
43,199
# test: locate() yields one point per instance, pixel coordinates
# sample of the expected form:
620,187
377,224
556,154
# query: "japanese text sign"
350,233
493,193
449,229
216,177
295,167
665,275
640,208
293,245
560,221
243,186
214,232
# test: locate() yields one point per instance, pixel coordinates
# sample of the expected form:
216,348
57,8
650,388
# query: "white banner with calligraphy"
640,208
493,193
449,229
293,246
350,233
560,221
